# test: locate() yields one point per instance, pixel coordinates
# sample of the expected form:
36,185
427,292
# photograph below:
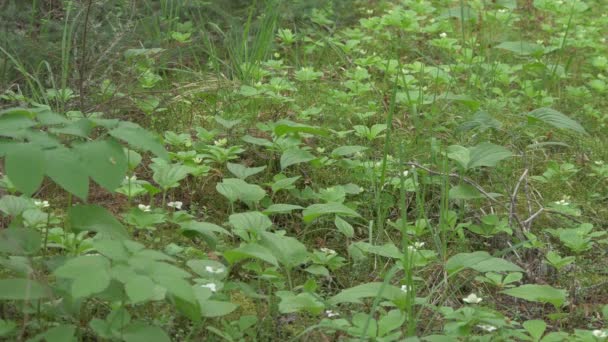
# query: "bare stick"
512,213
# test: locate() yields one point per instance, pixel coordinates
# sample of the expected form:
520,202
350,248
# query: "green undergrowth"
183,170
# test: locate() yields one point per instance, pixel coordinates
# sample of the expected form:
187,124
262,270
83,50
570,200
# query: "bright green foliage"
396,170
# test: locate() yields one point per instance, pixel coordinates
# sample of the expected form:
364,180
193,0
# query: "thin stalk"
387,145
83,47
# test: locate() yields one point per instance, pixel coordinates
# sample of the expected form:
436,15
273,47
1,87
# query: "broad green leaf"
104,161
20,241
227,123
303,302
464,192
487,154
481,262
65,168
257,141
138,137
11,123
287,183
536,328
483,154
250,250
140,288
216,308
285,126
182,294
62,333
169,175
281,208
355,294
313,211
343,151
539,293
393,320
90,274
133,158
556,119
96,219
250,221
200,229
196,226
460,154
344,227
294,156
388,250
520,47
14,206
22,289
113,249
237,189
7,327
140,332
242,172
81,128
25,165
289,251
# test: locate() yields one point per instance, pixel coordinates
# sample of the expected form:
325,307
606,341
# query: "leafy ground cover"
408,170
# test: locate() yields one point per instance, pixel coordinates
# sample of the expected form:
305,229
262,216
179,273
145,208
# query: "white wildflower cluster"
177,205
600,333
41,204
443,35
472,299
415,247
144,208
210,286
328,251
486,327
220,142
563,201
214,270
330,313
406,288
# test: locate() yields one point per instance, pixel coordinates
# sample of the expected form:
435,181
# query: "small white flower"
502,10
443,35
599,162
220,142
210,286
211,269
600,333
405,173
327,250
277,55
41,204
330,313
486,327
406,288
540,42
177,205
143,207
472,299
197,160
562,202
369,11
418,244
320,150
131,179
